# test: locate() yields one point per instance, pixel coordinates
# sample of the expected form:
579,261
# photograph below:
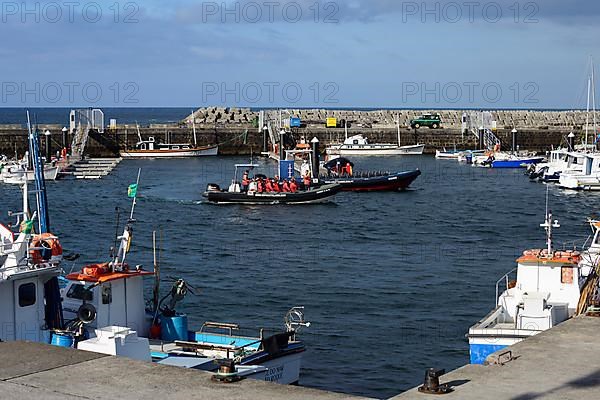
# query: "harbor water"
391,281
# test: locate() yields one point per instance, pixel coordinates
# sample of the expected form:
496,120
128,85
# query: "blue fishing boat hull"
479,352
522,163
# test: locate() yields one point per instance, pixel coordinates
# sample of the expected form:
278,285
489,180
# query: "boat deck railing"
506,279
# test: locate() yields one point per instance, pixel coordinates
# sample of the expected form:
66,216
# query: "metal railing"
506,280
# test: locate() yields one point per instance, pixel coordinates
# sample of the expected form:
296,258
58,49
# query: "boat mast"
548,225
398,126
594,104
194,129
346,129
137,126
119,259
587,113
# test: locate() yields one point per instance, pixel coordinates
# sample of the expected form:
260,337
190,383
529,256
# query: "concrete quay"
38,371
561,363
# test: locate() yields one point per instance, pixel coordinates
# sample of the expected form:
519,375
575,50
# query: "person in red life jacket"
286,186
276,187
306,180
293,185
268,186
245,181
261,186
349,169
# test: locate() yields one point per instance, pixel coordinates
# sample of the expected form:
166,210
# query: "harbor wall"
236,131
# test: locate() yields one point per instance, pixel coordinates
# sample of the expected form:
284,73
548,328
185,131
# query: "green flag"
132,190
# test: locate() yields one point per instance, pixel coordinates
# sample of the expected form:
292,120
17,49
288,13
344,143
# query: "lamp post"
281,151
265,129
48,135
515,146
571,141
64,136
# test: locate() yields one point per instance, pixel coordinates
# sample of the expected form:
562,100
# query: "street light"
48,147
265,129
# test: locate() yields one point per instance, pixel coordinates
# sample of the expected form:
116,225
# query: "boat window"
27,294
355,142
566,275
106,294
175,147
79,292
143,146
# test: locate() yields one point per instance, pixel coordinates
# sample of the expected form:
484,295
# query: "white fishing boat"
448,155
15,172
106,311
29,266
559,161
151,148
358,145
547,291
588,178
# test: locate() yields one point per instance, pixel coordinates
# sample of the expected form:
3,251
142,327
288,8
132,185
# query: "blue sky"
303,53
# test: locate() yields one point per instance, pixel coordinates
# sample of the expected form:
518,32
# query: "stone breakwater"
452,119
236,130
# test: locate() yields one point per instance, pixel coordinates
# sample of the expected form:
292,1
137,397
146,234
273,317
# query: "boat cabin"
116,297
23,300
151,144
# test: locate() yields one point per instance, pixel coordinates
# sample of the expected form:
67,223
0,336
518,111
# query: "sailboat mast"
587,114
594,104
398,126
194,129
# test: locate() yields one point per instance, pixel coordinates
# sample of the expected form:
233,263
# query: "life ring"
45,248
96,270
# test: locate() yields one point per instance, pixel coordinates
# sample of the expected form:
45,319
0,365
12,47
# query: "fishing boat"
152,149
551,286
237,194
16,171
30,264
588,178
448,154
358,145
340,171
559,161
106,312
497,159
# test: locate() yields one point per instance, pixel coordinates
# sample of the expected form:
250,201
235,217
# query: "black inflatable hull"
391,182
320,195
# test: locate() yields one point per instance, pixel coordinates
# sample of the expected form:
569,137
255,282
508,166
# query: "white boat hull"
377,150
199,152
442,155
15,178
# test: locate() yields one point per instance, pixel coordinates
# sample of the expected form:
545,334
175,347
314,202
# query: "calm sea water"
391,281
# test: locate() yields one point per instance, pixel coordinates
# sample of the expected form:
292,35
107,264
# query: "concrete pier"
562,363
37,371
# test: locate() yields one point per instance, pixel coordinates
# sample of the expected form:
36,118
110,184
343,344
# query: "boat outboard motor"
213,187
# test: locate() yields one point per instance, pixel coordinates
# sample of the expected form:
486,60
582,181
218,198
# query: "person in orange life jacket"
293,185
268,186
306,180
245,181
276,187
261,186
286,186
349,169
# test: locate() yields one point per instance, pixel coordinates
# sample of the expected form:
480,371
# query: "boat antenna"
194,129
118,215
156,291
549,224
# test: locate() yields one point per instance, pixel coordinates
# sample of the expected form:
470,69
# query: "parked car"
433,121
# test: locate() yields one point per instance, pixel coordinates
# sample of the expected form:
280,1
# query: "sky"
302,53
